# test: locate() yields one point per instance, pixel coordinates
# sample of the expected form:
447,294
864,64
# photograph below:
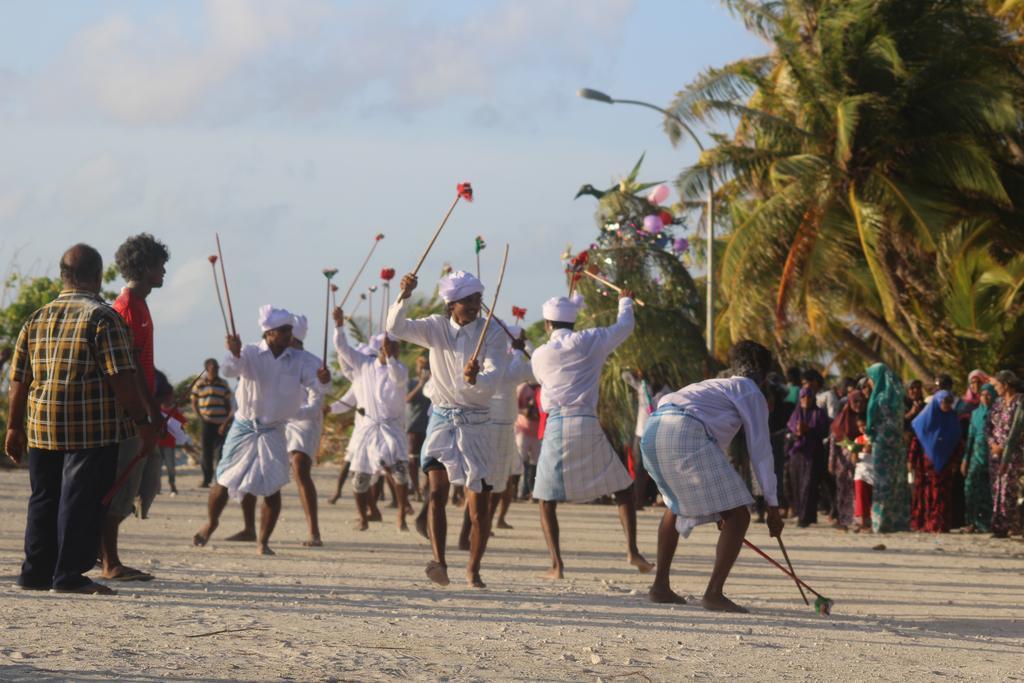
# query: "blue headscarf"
938,431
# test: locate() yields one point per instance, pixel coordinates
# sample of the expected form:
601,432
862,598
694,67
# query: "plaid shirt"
65,351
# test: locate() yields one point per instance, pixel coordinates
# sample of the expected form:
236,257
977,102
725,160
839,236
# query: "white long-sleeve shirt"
726,405
451,346
568,367
272,390
379,389
505,402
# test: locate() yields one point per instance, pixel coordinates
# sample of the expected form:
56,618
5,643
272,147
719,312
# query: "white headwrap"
272,318
376,341
561,309
300,327
366,349
459,285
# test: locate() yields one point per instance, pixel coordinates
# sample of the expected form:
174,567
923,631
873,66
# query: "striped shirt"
65,352
213,399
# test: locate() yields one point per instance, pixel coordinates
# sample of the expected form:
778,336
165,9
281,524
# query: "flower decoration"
387,274
465,191
212,258
334,288
330,272
680,245
577,264
479,244
518,313
379,237
373,288
666,217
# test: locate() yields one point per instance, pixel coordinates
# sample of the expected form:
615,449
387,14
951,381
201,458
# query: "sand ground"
360,608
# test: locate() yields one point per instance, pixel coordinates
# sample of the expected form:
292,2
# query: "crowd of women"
875,455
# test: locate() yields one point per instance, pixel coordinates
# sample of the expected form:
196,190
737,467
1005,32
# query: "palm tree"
872,130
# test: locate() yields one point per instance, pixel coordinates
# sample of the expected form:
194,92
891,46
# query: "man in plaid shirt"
72,383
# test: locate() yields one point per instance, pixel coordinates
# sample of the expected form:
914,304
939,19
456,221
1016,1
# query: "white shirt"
505,403
726,405
379,389
569,366
645,402
451,347
272,390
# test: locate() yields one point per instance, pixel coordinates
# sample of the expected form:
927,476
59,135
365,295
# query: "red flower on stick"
577,264
518,313
465,191
387,274
212,258
379,237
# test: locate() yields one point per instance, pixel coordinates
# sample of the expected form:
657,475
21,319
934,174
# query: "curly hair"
749,359
138,254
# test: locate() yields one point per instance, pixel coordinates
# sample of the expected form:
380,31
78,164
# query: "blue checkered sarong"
691,470
576,461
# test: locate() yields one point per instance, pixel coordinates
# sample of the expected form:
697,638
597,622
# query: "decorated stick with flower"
329,273
462,191
212,258
334,295
227,294
608,284
490,314
355,280
575,269
478,246
518,314
503,326
387,275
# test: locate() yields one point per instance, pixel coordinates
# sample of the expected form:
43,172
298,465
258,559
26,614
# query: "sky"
299,130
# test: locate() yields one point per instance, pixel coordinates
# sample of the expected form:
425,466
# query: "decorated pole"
212,258
608,284
227,294
503,326
328,273
478,246
822,605
490,314
386,274
376,241
462,191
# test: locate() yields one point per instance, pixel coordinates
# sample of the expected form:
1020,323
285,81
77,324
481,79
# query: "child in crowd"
863,478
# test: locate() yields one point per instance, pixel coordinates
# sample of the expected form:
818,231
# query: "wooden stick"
793,571
385,298
504,327
609,284
220,300
490,315
228,630
369,314
327,318
437,232
781,568
227,294
355,280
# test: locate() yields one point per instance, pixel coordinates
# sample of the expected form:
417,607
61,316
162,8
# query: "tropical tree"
870,173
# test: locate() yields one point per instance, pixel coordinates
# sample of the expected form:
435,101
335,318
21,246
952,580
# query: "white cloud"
187,294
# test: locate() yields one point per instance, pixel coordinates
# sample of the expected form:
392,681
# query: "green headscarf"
980,414
887,390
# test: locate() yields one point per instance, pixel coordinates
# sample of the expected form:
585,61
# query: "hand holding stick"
462,191
608,284
490,315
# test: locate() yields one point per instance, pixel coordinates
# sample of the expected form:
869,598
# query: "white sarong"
254,459
692,472
460,439
576,461
303,436
377,446
503,441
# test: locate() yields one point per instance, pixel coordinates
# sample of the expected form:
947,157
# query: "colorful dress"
977,484
890,508
1005,427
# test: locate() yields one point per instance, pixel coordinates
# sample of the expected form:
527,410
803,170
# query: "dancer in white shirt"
273,379
576,461
378,444
458,447
683,449
303,436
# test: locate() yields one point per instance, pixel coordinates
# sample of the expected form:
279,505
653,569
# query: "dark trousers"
62,532
212,442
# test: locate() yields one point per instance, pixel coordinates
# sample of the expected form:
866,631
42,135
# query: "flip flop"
132,575
91,588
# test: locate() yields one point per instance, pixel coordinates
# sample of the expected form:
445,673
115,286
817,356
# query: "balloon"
658,195
666,218
681,245
653,224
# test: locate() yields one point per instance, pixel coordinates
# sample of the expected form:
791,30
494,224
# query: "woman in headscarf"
914,403
890,508
1005,435
972,397
977,485
808,427
937,428
840,466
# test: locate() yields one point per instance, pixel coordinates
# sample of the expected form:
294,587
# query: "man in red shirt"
141,261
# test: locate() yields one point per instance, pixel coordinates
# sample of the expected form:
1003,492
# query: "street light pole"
709,211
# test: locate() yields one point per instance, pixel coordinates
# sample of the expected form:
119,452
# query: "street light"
709,213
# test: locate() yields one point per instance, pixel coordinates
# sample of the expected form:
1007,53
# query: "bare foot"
421,528
474,581
334,499
243,535
502,524
202,536
720,603
665,596
313,542
554,574
640,563
393,504
361,525
403,526
264,549
438,573
375,516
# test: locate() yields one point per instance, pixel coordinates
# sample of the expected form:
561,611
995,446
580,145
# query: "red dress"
919,466
937,494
